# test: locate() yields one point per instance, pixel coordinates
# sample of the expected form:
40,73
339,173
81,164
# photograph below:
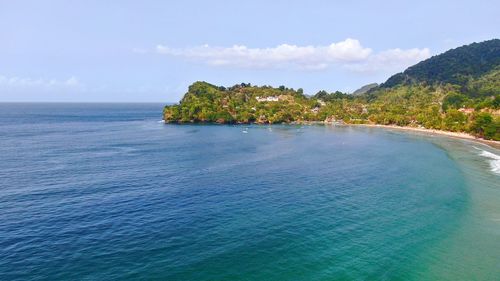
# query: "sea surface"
109,192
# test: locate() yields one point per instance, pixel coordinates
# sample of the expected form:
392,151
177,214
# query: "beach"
461,135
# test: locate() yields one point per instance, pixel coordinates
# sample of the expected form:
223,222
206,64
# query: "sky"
151,51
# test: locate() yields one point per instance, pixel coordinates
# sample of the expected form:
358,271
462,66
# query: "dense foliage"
465,105
456,66
205,102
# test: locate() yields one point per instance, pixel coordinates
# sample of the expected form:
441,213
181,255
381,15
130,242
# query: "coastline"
459,135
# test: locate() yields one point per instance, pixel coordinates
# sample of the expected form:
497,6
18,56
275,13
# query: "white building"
270,98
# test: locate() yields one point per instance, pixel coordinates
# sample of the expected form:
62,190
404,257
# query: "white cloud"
393,59
22,83
348,53
349,50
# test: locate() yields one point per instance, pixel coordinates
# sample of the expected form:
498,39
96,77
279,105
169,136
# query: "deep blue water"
106,192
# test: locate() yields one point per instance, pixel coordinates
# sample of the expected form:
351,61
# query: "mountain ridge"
455,66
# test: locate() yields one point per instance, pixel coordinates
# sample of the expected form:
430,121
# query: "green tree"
454,100
485,126
454,120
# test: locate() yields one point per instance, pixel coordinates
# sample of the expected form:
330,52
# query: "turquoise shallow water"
106,192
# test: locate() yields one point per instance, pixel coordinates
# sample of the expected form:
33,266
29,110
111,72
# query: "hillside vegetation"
455,91
456,66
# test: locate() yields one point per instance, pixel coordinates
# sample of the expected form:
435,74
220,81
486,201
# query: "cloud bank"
22,83
349,54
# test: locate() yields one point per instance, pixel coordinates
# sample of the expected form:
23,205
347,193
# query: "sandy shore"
492,143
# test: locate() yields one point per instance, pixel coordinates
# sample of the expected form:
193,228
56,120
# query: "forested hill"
458,90
456,66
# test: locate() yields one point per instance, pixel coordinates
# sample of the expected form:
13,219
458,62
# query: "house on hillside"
315,110
466,110
263,99
364,110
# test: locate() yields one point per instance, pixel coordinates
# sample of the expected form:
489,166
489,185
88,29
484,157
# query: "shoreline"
458,135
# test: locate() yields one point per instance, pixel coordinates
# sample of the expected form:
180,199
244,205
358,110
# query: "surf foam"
494,160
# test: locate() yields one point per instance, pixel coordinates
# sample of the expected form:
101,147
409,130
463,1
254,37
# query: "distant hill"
365,89
457,66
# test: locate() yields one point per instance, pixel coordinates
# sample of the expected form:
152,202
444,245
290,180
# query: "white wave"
161,121
490,155
494,160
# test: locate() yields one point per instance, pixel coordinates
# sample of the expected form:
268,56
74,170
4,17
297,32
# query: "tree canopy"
455,91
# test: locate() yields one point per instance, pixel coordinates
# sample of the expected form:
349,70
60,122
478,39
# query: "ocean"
109,192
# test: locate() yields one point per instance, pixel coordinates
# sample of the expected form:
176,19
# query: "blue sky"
150,51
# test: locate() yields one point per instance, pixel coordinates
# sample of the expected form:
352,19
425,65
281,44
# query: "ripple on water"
135,199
